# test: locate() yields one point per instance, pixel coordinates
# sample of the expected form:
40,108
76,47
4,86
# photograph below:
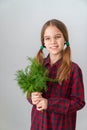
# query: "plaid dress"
63,101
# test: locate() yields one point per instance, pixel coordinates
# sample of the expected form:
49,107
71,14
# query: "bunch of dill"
33,78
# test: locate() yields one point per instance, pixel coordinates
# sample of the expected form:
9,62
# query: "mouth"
54,47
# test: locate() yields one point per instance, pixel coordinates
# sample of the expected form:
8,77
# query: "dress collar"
47,61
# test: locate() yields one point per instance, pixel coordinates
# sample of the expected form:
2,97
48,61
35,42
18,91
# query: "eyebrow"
54,35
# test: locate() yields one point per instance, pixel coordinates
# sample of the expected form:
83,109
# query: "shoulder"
75,65
75,68
46,60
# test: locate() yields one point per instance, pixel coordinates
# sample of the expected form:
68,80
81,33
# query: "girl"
56,109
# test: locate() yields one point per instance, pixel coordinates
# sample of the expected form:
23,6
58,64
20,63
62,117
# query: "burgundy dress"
63,101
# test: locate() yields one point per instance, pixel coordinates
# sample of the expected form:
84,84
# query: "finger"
36,93
36,96
35,102
39,108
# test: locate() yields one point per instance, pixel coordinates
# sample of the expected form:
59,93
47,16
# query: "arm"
75,101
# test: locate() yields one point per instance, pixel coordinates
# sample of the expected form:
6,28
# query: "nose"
53,40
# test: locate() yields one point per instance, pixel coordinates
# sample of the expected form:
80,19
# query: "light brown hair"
64,70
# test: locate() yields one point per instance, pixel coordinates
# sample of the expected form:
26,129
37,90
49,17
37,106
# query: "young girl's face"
54,40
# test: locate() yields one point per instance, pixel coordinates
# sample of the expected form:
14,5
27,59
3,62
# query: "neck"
54,58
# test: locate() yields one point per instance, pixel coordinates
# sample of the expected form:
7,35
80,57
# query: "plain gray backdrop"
20,25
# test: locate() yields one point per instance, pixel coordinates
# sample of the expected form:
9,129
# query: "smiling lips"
54,47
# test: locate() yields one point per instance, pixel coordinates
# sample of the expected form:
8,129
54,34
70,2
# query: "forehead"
52,30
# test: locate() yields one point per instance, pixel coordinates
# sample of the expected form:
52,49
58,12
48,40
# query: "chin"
54,53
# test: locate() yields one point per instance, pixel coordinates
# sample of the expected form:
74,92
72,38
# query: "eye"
47,39
56,37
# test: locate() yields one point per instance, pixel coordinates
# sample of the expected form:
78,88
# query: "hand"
42,104
36,96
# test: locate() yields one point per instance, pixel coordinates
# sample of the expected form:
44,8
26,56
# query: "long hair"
64,69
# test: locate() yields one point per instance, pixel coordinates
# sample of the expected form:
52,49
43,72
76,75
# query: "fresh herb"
33,78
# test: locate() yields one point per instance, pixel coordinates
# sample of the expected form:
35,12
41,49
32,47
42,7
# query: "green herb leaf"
33,78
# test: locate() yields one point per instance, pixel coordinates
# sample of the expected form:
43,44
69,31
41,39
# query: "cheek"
46,45
62,45
62,42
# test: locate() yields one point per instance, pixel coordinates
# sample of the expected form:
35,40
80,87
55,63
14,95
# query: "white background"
20,25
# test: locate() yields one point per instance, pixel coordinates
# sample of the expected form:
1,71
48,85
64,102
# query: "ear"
44,45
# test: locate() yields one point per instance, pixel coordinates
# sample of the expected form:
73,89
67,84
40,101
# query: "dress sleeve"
76,99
